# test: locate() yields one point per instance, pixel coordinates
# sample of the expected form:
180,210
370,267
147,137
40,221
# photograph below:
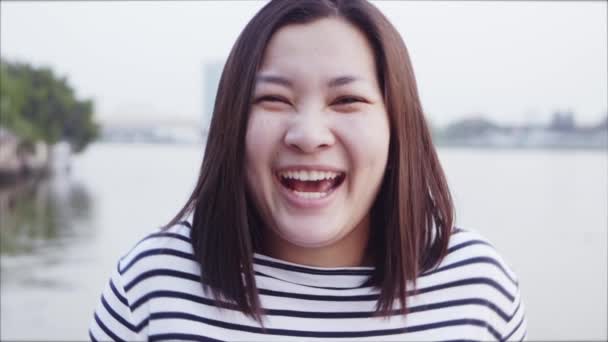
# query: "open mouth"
311,184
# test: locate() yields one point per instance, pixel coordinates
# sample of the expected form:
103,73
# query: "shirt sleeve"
113,319
516,327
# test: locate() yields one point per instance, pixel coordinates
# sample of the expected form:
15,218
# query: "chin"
309,233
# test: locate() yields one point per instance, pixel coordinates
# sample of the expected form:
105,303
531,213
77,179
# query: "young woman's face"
317,138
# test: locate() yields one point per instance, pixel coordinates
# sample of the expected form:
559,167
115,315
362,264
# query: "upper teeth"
305,175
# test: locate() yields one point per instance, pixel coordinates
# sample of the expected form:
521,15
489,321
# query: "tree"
38,105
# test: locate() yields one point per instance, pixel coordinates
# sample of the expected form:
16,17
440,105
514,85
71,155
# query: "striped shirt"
155,294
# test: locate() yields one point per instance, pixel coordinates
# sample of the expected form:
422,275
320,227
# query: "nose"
309,133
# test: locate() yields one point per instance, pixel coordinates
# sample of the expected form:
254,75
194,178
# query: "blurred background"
105,108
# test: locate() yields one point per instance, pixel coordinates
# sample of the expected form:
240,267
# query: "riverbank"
22,161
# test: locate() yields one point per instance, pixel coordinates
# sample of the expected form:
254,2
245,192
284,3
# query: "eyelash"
338,101
271,98
350,99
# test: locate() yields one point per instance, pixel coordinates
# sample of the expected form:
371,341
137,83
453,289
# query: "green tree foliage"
37,105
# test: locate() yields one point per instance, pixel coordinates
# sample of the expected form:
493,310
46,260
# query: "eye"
348,100
271,98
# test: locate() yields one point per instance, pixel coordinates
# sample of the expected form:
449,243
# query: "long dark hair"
412,216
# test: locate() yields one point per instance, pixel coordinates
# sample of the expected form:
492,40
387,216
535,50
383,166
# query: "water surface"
545,211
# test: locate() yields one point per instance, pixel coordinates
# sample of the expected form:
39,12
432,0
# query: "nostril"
310,136
309,144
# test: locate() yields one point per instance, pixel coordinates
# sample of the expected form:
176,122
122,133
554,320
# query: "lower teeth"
311,195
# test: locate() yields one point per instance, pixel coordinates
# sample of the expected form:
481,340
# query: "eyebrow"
274,79
279,80
340,81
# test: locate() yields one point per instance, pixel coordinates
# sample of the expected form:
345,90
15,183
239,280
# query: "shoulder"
472,255
469,248
473,270
175,236
158,258
162,249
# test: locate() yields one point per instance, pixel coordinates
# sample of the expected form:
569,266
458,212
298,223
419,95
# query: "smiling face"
317,143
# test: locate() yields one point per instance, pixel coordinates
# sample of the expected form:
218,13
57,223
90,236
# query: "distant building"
159,132
561,132
466,128
563,121
211,79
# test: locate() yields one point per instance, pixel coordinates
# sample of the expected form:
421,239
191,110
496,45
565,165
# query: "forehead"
330,46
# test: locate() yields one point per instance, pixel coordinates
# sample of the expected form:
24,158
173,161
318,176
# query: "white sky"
513,61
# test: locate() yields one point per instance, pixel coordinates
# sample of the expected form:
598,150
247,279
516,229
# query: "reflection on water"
40,214
40,220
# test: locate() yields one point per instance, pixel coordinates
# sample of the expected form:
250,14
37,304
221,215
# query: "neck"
348,251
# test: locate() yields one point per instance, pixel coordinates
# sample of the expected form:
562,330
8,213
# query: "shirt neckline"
319,277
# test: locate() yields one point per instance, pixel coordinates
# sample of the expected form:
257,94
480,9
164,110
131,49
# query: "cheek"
367,139
262,140
261,137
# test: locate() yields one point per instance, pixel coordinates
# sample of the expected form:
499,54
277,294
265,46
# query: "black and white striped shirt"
154,294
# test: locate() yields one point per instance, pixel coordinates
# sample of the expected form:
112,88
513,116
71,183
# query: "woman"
321,210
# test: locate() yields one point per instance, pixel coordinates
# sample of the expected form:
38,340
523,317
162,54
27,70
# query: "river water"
545,211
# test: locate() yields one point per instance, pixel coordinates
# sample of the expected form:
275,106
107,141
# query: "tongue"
310,186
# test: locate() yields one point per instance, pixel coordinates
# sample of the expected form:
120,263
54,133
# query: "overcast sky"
513,61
